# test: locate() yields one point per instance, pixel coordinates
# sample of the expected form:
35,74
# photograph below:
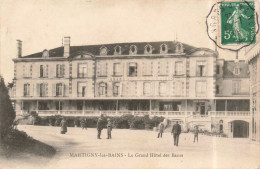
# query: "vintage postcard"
129,84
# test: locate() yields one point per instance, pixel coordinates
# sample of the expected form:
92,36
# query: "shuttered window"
26,91
60,70
178,68
147,89
102,89
82,69
147,68
117,69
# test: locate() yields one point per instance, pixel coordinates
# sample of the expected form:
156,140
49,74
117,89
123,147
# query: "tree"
7,113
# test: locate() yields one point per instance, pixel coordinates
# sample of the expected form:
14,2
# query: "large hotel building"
171,79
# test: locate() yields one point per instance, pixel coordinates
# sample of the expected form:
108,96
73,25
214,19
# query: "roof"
229,67
125,47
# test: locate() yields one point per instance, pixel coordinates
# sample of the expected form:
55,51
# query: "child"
109,129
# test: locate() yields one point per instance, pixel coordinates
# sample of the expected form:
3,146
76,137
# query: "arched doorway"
240,129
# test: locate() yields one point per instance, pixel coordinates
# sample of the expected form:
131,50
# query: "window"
217,89
58,105
43,70
179,48
179,88
218,69
102,89
163,49
59,89
201,88
117,69
82,70
162,89
163,68
131,88
81,89
178,68
132,69
103,50
201,68
117,50
60,68
42,88
147,68
116,87
27,71
237,70
102,69
148,49
236,86
133,50
147,89
26,89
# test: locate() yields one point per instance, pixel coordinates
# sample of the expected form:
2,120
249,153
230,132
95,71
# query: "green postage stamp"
237,22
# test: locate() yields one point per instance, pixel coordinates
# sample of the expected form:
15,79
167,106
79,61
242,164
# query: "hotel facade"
171,79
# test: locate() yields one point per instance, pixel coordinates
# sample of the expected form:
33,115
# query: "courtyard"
136,149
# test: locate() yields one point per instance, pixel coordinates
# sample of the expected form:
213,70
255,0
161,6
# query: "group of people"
101,123
176,131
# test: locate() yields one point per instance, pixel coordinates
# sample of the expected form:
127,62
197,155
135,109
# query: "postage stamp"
237,22
233,25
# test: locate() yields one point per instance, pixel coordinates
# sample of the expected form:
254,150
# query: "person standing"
83,124
176,131
196,134
109,129
99,127
63,125
161,128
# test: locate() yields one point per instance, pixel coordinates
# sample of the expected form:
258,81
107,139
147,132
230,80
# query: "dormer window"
45,53
148,49
133,50
103,50
163,48
179,48
237,70
117,50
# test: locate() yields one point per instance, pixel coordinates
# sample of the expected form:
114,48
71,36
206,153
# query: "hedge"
122,122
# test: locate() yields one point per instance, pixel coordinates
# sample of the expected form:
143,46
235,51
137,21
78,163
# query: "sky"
41,24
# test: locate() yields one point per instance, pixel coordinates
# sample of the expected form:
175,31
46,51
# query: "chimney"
66,44
19,48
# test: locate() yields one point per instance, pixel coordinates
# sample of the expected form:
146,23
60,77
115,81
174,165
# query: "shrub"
7,113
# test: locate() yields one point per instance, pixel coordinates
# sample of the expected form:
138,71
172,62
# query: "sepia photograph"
129,84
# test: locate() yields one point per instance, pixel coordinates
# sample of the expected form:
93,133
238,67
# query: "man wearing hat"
109,129
99,127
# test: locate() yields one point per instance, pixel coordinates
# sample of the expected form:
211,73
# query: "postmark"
232,25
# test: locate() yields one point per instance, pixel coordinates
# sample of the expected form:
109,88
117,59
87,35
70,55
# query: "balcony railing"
229,113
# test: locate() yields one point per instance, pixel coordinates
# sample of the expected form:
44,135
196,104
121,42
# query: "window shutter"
57,70
174,88
31,90
31,70
63,89
53,89
46,89
62,70
38,89
98,68
106,69
46,72
128,65
144,67
167,68
23,70
159,68
182,86
136,71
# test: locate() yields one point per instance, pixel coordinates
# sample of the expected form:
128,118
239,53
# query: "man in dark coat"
100,127
63,125
176,131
